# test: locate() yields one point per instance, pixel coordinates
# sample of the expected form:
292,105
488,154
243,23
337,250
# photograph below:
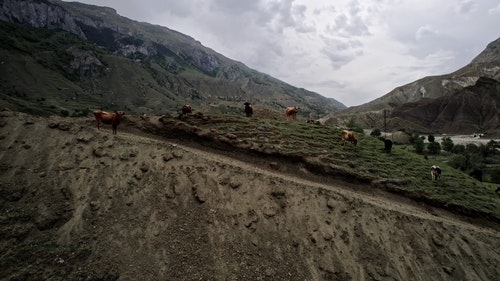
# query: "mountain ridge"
169,68
432,91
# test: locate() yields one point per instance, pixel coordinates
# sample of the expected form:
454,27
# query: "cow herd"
114,119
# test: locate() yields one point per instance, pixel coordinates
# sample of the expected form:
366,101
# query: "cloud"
494,10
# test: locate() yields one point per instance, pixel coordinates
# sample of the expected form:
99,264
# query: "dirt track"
132,207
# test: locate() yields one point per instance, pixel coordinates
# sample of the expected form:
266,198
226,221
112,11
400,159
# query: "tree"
352,125
447,144
434,148
458,149
431,138
418,144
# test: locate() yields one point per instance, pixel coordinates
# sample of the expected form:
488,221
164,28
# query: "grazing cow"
186,109
348,136
248,109
435,172
387,146
291,112
108,118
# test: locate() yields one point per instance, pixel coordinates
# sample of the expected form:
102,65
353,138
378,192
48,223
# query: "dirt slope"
78,204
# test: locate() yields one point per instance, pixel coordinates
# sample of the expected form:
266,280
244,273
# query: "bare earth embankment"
82,204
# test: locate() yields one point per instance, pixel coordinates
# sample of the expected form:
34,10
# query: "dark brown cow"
108,118
291,112
348,136
186,109
248,109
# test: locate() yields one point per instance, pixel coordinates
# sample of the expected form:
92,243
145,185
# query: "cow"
291,112
348,136
108,118
435,172
387,146
186,109
248,109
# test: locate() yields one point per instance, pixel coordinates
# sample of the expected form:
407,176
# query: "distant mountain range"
68,57
465,101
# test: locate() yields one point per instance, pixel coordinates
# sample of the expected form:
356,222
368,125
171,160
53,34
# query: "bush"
431,138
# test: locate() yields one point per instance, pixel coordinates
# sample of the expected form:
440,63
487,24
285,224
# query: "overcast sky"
351,50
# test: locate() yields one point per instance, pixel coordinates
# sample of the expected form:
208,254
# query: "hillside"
450,103
230,198
68,58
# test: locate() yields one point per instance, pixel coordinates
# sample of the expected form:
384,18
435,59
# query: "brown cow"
248,109
108,118
291,112
348,136
186,109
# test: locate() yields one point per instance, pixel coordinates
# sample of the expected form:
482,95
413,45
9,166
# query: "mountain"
465,101
68,58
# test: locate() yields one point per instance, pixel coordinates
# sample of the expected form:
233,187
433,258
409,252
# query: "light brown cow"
348,136
108,118
291,112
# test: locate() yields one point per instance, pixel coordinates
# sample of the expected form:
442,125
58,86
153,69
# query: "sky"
351,50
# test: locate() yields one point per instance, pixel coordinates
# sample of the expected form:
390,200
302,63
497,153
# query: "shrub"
431,138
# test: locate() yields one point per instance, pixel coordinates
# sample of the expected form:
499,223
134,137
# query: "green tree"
447,144
434,148
418,144
458,149
352,125
458,162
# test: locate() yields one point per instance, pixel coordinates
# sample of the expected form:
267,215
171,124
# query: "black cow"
387,146
248,109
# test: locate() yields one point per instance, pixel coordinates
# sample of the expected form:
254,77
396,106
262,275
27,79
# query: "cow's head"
119,114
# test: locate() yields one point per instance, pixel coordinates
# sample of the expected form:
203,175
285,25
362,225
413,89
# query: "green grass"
401,171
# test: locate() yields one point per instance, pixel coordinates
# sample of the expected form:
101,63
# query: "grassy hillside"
318,149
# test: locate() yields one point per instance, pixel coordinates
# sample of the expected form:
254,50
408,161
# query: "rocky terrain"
82,204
